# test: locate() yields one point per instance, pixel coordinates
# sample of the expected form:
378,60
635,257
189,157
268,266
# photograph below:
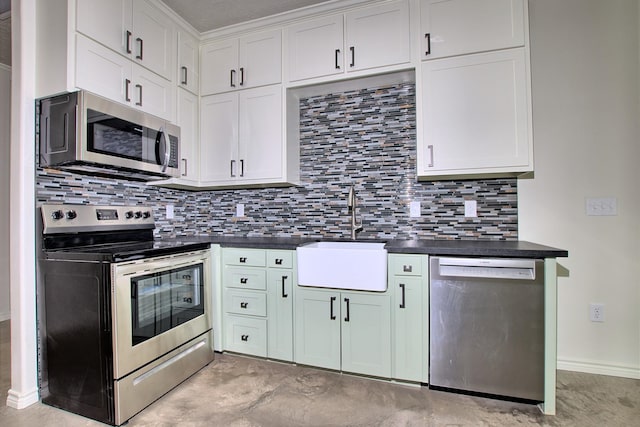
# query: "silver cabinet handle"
184,170
127,85
128,41
167,148
140,46
430,148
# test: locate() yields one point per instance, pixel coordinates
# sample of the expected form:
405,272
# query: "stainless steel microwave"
85,133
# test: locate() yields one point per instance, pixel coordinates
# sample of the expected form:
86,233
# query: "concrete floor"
242,392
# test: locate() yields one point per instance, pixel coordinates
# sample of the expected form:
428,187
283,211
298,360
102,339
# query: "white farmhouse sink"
360,266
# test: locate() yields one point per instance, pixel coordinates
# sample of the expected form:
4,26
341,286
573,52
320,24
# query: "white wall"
5,140
585,85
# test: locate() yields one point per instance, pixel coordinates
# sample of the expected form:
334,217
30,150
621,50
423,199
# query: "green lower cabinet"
348,331
280,309
408,283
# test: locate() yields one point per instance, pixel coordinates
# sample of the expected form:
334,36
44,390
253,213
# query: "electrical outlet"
414,209
596,312
169,212
240,210
470,209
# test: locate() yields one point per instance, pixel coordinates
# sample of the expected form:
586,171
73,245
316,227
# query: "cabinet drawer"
249,257
406,265
245,278
245,302
280,259
246,335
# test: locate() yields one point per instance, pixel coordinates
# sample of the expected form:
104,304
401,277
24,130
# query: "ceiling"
205,15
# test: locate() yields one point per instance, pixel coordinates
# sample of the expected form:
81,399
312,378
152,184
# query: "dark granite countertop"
488,248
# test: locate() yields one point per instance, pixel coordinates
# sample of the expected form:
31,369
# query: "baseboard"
5,315
18,401
591,367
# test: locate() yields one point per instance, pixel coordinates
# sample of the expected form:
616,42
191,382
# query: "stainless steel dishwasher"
487,326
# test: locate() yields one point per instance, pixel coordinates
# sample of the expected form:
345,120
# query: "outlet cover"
470,208
240,210
169,212
602,206
414,209
596,312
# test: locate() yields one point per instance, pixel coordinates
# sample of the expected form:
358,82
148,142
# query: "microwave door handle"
163,161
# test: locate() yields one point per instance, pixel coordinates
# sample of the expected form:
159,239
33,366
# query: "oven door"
159,304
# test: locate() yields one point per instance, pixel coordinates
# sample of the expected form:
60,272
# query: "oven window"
161,301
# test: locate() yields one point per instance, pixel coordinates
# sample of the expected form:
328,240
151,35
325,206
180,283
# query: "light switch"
470,208
169,212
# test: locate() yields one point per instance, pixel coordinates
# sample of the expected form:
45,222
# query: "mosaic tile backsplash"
365,138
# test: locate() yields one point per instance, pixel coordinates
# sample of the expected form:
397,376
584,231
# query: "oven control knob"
128,214
138,214
146,214
72,214
57,214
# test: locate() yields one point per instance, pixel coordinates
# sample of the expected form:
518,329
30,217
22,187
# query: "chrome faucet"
351,204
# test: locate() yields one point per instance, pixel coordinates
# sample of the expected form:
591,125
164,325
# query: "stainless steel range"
122,318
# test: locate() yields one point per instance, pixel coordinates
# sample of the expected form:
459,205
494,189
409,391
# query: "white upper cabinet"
188,118
377,36
476,115
104,72
365,38
188,62
133,28
457,27
316,48
241,63
241,138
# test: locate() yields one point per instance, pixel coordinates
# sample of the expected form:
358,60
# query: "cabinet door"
378,36
261,140
152,93
218,137
188,62
317,332
366,334
409,329
187,118
455,27
102,71
153,38
260,59
280,313
476,115
219,62
106,21
316,48
247,335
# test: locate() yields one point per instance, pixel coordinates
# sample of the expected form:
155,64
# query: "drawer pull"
244,304
346,318
407,268
243,259
331,315
244,280
402,304
278,261
244,337
428,37
284,295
